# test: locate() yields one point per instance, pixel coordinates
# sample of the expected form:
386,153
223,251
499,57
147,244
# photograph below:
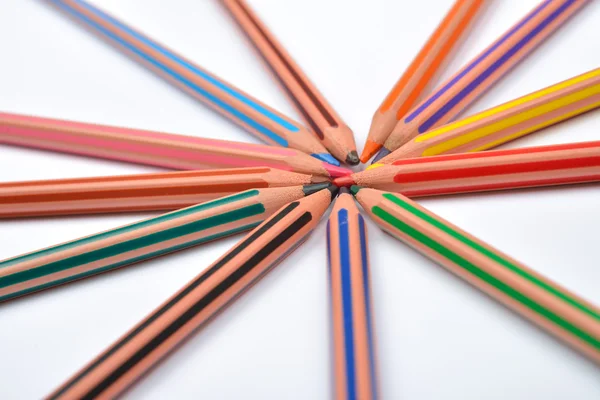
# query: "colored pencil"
351,303
256,117
153,148
198,302
509,121
143,192
551,307
119,247
333,133
411,85
492,170
456,94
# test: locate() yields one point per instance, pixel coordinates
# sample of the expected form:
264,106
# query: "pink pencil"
154,148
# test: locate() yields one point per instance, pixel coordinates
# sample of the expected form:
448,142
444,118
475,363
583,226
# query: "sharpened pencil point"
336,172
382,153
333,189
352,158
354,189
344,190
326,157
310,189
369,151
344,181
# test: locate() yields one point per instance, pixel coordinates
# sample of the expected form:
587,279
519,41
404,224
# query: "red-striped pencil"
491,170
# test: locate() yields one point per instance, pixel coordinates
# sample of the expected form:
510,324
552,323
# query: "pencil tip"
352,158
382,153
335,172
314,188
344,190
333,189
354,189
326,157
344,181
370,149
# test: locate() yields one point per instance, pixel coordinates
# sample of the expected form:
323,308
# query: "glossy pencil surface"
411,85
198,302
508,121
535,297
453,96
335,135
256,117
492,170
119,247
143,192
351,304
153,148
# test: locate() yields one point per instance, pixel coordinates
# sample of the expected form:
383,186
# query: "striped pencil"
144,192
452,97
419,74
492,170
143,240
353,347
333,133
535,297
153,148
198,302
508,121
257,118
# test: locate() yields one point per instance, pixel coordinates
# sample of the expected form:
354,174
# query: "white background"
438,338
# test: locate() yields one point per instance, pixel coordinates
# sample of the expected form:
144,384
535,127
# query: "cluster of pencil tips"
280,191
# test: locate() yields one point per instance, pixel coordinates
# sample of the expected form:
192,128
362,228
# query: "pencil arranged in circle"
509,121
256,117
143,192
411,85
551,307
153,148
491,170
335,135
453,96
119,247
198,302
351,304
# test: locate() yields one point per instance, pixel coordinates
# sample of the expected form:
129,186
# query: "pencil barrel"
535,297
198,302
351,304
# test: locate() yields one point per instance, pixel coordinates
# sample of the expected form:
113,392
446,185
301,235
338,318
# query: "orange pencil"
491,170
351,304
536,298
451,98
144,192
419,74
335,135
198,302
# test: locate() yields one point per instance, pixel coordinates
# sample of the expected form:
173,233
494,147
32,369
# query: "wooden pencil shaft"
256,117
119,247
422,70
477,76
508,121
198,302
318,113
351,305
127,193
553,308
492,170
